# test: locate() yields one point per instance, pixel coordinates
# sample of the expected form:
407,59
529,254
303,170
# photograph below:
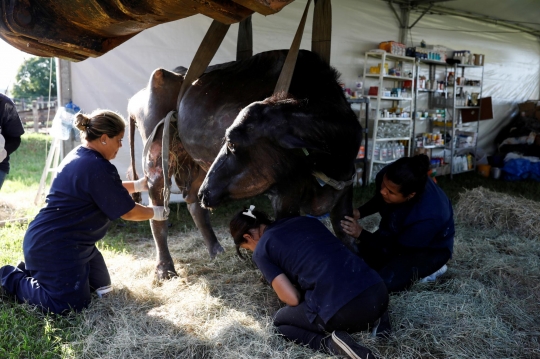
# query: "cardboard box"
486,111
528,109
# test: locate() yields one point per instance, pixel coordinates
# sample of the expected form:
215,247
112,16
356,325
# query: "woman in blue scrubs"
62,265
415,238
326,288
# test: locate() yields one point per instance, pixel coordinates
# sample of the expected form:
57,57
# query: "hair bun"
82,122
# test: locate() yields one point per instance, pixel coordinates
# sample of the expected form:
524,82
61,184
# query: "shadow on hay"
485,306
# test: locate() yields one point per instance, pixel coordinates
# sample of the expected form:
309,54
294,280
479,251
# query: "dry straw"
487,209
486,306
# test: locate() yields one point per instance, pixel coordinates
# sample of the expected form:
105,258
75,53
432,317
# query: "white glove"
141,185
160,213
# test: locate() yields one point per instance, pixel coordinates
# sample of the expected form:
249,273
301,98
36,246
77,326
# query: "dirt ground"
6,211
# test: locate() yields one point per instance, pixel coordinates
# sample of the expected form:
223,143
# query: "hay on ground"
485,306
483,208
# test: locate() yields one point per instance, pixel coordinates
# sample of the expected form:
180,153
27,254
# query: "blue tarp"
520,169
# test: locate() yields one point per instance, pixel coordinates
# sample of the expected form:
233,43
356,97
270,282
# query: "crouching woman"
62,263
326,287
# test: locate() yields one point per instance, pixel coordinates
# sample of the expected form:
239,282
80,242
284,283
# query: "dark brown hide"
146,109
272,134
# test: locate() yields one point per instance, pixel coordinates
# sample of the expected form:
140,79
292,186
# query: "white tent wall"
512,60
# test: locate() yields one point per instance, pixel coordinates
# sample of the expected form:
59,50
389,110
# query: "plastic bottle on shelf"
401,150
469,162
376,151
390,151
384,153
359,84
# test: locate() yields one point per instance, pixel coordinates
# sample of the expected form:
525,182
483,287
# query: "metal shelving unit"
363,102
456,104
433,100
383,103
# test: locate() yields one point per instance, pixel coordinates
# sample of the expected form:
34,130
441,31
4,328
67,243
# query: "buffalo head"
275,145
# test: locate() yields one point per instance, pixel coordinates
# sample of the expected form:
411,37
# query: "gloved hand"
160,213
141,185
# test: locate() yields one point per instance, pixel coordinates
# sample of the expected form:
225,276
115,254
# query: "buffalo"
298,147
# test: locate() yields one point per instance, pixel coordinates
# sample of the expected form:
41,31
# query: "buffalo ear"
290,141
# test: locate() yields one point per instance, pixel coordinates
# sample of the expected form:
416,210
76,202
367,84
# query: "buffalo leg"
160,231
165,266
191,178
201,217
343,208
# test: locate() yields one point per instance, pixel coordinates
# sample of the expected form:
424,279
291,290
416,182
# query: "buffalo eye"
230,146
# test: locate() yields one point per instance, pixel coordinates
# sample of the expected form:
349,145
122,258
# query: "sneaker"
382,327
103,291
431,278
343,344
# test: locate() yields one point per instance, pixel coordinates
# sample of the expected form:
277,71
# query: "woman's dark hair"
98,123
241,223
410,173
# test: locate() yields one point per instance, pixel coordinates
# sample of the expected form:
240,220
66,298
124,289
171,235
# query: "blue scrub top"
426,221
314,259
86,195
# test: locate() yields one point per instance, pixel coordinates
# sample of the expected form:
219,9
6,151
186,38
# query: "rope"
171,117
150,139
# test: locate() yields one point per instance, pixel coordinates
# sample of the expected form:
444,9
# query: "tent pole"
403,20
404,28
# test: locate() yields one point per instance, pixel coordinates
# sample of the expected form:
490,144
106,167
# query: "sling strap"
322,9
322,29
244,44
285,77
206,51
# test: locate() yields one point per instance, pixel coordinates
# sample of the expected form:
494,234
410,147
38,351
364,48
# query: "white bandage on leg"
102,291
160,214
141,185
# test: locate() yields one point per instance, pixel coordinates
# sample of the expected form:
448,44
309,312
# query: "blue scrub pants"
355,316
56,291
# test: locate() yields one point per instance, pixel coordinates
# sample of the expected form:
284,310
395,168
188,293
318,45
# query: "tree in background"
33,79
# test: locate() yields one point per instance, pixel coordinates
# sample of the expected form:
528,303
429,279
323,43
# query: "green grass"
27,163
26,333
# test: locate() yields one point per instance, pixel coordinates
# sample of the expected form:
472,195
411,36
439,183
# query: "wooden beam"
264,7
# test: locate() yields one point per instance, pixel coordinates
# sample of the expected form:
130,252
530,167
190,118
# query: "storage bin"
484,170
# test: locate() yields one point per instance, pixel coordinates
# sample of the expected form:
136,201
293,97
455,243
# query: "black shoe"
342,344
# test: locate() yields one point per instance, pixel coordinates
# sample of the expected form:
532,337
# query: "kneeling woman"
415,238
63,265
326,287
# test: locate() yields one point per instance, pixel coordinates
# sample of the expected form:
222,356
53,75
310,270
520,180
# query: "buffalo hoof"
165,271
216,250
